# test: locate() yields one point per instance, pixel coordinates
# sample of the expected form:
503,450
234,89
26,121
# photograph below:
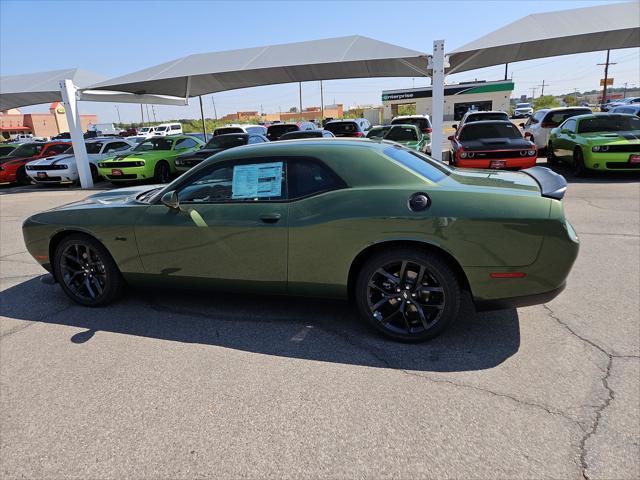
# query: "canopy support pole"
322,106
204,130
437,62
300,93
69,91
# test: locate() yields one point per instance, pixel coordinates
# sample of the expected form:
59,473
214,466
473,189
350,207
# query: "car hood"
119,196
141,156
612,137
497,144
53,160
9,160
494,179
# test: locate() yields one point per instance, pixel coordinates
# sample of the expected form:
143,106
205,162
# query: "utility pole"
506,70
322,105
543,85
300,93
142,114
153,109
204,130
120,121
215,114
148,116
606,77
624,95
533,92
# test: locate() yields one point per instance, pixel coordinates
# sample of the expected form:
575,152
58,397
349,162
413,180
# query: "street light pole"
204,130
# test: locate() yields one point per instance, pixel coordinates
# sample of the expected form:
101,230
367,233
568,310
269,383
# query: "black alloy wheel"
21,176
162,173
579,169
408,295
94,173
86,271
551,157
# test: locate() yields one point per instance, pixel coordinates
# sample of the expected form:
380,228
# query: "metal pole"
506,69
204,130
215,113
321,105
142,114
118,110
70,101
437,109
153,109
148,116
300,92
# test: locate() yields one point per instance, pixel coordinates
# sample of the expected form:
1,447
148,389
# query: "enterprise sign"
451,90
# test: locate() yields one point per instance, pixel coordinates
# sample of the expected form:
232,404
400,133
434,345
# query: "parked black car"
307,134
216,144
276,130
346,128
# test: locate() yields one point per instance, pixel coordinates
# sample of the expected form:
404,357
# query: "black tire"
94,173
162,172
400,305
21,176
579,169
551,157
86,271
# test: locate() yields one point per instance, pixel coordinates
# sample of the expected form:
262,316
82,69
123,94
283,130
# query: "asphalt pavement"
184,385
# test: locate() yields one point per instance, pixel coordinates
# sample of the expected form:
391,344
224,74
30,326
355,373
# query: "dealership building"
45,125
458,98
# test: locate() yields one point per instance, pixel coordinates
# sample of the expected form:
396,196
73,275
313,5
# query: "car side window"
570,126
186,143
56,149
309,177
237,182
116,146
255,139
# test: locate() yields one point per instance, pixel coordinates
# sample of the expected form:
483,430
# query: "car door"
565,139
230,230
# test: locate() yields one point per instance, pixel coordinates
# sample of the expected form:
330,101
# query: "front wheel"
579,170
86,271
21,176
408,294
551,157
162,173
94,173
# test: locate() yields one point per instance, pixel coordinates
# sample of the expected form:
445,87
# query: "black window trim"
251,160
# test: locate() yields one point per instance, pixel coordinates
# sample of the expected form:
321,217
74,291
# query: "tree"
545,101
571,101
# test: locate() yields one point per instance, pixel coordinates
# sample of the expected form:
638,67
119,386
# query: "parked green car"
599,141
399,233
153,159
409,136
7,148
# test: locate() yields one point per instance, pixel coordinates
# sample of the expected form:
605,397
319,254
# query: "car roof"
599,114
485,122
480,112
410,116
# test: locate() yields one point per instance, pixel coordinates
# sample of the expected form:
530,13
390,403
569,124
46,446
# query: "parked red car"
12,166
496,144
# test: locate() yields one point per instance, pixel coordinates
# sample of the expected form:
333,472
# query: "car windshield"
523,105
378,132
226,130
6,150
421,123
227,141
338,128
301,134
419,163
154,144
27,150
613,123
160,129
402,134
479,131
144,129
94,147
476,117
555,118
274,132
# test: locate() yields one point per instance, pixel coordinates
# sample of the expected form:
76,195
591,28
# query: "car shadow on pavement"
312,329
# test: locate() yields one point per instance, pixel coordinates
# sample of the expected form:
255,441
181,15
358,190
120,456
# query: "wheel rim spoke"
83,271
389,276
423,319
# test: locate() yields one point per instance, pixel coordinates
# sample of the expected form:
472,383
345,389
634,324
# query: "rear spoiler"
552,184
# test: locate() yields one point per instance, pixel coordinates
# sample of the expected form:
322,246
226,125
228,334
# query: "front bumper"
129,174
616,161
54,176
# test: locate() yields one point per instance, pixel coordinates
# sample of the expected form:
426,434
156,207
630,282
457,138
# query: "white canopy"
42,87
549,34
333,58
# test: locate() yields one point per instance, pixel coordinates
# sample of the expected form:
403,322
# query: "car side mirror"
450,138
170,199
454,126
564,131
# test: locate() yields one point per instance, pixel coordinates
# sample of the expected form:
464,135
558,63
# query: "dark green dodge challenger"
398,232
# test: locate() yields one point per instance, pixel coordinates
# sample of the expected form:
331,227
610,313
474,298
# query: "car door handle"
270,218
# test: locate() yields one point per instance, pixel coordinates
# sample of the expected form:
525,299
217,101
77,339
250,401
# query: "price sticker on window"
261,180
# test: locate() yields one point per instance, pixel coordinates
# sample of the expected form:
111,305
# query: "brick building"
12,122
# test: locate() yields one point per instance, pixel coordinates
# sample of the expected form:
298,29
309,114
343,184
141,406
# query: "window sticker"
257,180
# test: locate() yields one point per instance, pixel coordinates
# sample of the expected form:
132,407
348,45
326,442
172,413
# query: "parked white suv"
165,129
146,132
522,110
543,121
63,168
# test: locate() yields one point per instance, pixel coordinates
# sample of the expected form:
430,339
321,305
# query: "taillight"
427,130
547,125
359,134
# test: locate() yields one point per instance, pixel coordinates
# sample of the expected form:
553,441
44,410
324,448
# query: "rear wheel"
407,294
579,169
94,173
551,157
162,172
86,271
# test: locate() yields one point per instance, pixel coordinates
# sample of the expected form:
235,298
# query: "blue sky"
118,37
